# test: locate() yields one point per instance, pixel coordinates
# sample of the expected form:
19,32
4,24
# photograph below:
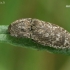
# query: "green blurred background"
17,58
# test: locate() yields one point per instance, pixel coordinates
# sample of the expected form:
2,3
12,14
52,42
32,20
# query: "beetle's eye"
23,30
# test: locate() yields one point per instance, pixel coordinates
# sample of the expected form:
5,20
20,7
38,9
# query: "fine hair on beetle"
44,33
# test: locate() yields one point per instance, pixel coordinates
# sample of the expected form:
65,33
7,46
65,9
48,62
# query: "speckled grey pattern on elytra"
42,32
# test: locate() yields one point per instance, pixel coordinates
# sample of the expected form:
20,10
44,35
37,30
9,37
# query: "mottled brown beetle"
42,32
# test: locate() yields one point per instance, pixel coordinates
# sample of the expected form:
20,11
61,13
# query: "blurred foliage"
17,58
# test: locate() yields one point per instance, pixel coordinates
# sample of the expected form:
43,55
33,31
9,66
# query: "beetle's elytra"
42,32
